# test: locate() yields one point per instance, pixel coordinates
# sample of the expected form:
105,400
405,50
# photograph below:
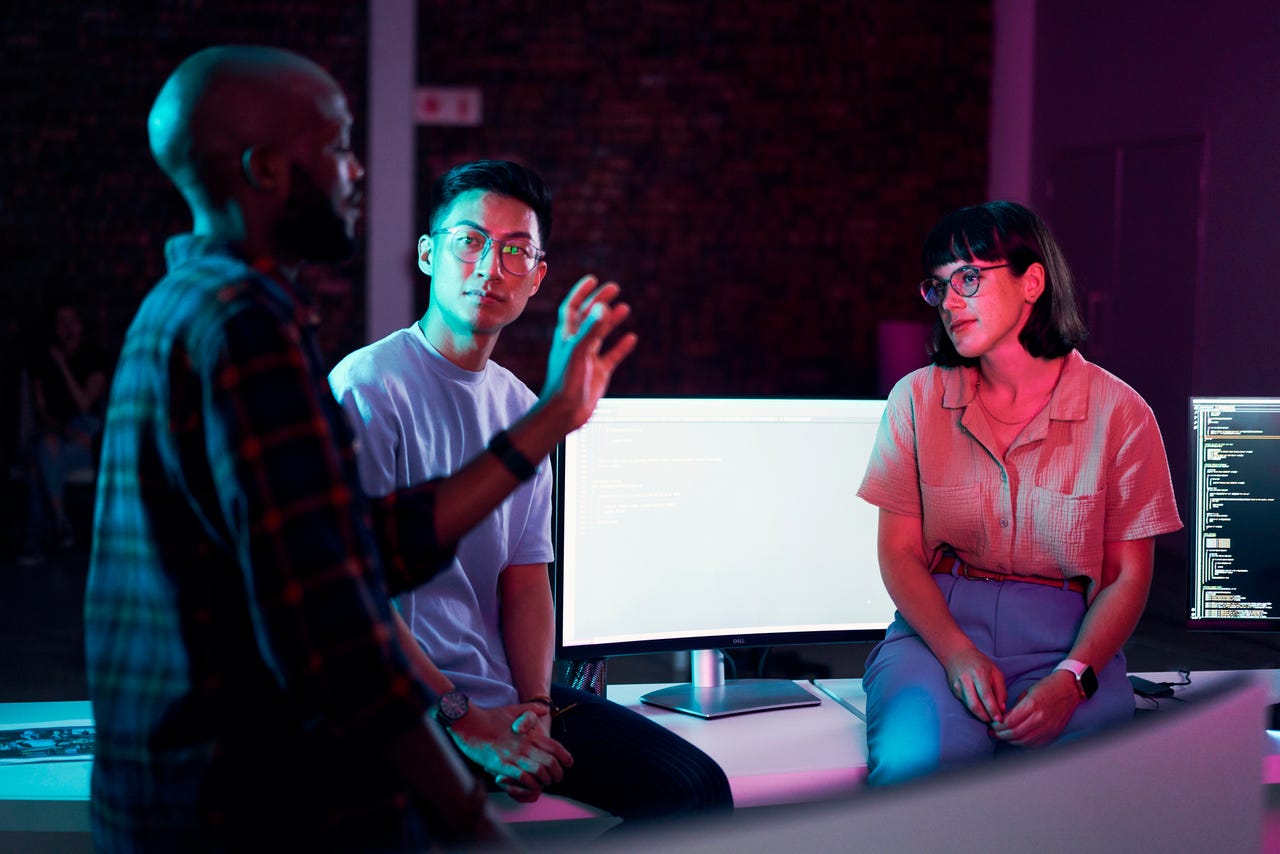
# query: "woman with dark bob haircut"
1020,489
1010,232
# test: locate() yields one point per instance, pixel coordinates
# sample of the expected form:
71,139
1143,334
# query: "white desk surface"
45,796
775,757
794,755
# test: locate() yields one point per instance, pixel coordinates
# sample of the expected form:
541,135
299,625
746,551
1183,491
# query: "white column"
389,159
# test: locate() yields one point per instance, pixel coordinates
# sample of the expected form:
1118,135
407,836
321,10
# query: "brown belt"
949,564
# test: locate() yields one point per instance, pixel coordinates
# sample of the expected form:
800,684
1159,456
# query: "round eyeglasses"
518,256
963,280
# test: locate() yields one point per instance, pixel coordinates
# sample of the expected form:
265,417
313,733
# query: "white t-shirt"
417,416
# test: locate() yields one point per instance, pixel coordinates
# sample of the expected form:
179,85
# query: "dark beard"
309,225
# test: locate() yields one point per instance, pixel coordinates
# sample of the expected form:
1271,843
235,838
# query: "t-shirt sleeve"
374,422
535,544
403,519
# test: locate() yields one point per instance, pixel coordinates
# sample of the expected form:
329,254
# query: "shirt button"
1004,523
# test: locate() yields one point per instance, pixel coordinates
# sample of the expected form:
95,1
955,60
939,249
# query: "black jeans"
630,766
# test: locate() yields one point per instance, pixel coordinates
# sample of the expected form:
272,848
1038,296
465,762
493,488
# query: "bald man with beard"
247,685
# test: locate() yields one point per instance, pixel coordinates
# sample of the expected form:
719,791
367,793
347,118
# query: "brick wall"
83,209
758,175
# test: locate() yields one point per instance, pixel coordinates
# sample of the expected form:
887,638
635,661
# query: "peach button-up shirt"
1089,468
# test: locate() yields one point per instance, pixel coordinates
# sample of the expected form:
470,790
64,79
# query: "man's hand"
578,374
978,683
579,369
1041,714
510,744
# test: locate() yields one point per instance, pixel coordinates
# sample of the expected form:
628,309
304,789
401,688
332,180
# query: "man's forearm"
528,628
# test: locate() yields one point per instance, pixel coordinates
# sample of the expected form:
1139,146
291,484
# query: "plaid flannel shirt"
243,669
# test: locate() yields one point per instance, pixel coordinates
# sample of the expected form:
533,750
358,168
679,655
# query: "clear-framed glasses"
964,281
518,256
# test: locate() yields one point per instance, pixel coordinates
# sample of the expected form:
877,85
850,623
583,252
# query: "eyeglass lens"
963,280
518,256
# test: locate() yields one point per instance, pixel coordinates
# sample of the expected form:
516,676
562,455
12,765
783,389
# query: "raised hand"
579,368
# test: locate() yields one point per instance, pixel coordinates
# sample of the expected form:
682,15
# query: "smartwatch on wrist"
1086,679
453,705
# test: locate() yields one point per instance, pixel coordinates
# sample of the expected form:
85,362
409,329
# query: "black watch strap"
517,463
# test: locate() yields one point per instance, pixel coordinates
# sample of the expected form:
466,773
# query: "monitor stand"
709,695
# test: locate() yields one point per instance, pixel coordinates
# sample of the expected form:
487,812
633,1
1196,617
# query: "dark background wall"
1156,159
84,211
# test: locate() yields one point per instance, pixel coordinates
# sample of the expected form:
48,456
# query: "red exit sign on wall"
456,106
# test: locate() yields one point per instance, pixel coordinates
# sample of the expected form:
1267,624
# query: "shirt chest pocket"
955,515
1067,528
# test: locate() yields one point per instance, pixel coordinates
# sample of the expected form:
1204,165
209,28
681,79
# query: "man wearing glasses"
424,400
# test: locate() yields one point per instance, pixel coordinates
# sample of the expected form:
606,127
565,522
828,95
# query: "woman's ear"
1033,281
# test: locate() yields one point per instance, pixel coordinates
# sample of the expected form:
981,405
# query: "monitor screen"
1234,566
711,523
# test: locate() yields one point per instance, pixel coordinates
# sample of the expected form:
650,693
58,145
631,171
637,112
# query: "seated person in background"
68,388
1020,488
248,688
422,401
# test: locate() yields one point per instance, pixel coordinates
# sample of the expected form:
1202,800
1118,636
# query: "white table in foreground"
1201,680
45,796
775,757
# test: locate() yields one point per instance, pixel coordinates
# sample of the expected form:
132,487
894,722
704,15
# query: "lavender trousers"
915,725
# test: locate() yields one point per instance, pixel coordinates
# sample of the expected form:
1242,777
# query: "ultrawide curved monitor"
712,523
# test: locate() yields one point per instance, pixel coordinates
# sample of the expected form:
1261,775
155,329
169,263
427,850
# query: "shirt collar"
960,385
1069,401
442,365
185,248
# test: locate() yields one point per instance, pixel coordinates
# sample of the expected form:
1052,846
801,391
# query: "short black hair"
1011,233
493,176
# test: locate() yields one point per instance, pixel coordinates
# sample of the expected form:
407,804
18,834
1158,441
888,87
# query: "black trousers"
630,766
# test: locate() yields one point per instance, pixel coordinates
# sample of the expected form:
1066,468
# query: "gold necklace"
982,403
977,384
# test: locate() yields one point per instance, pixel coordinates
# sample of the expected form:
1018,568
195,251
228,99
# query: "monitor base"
734,697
